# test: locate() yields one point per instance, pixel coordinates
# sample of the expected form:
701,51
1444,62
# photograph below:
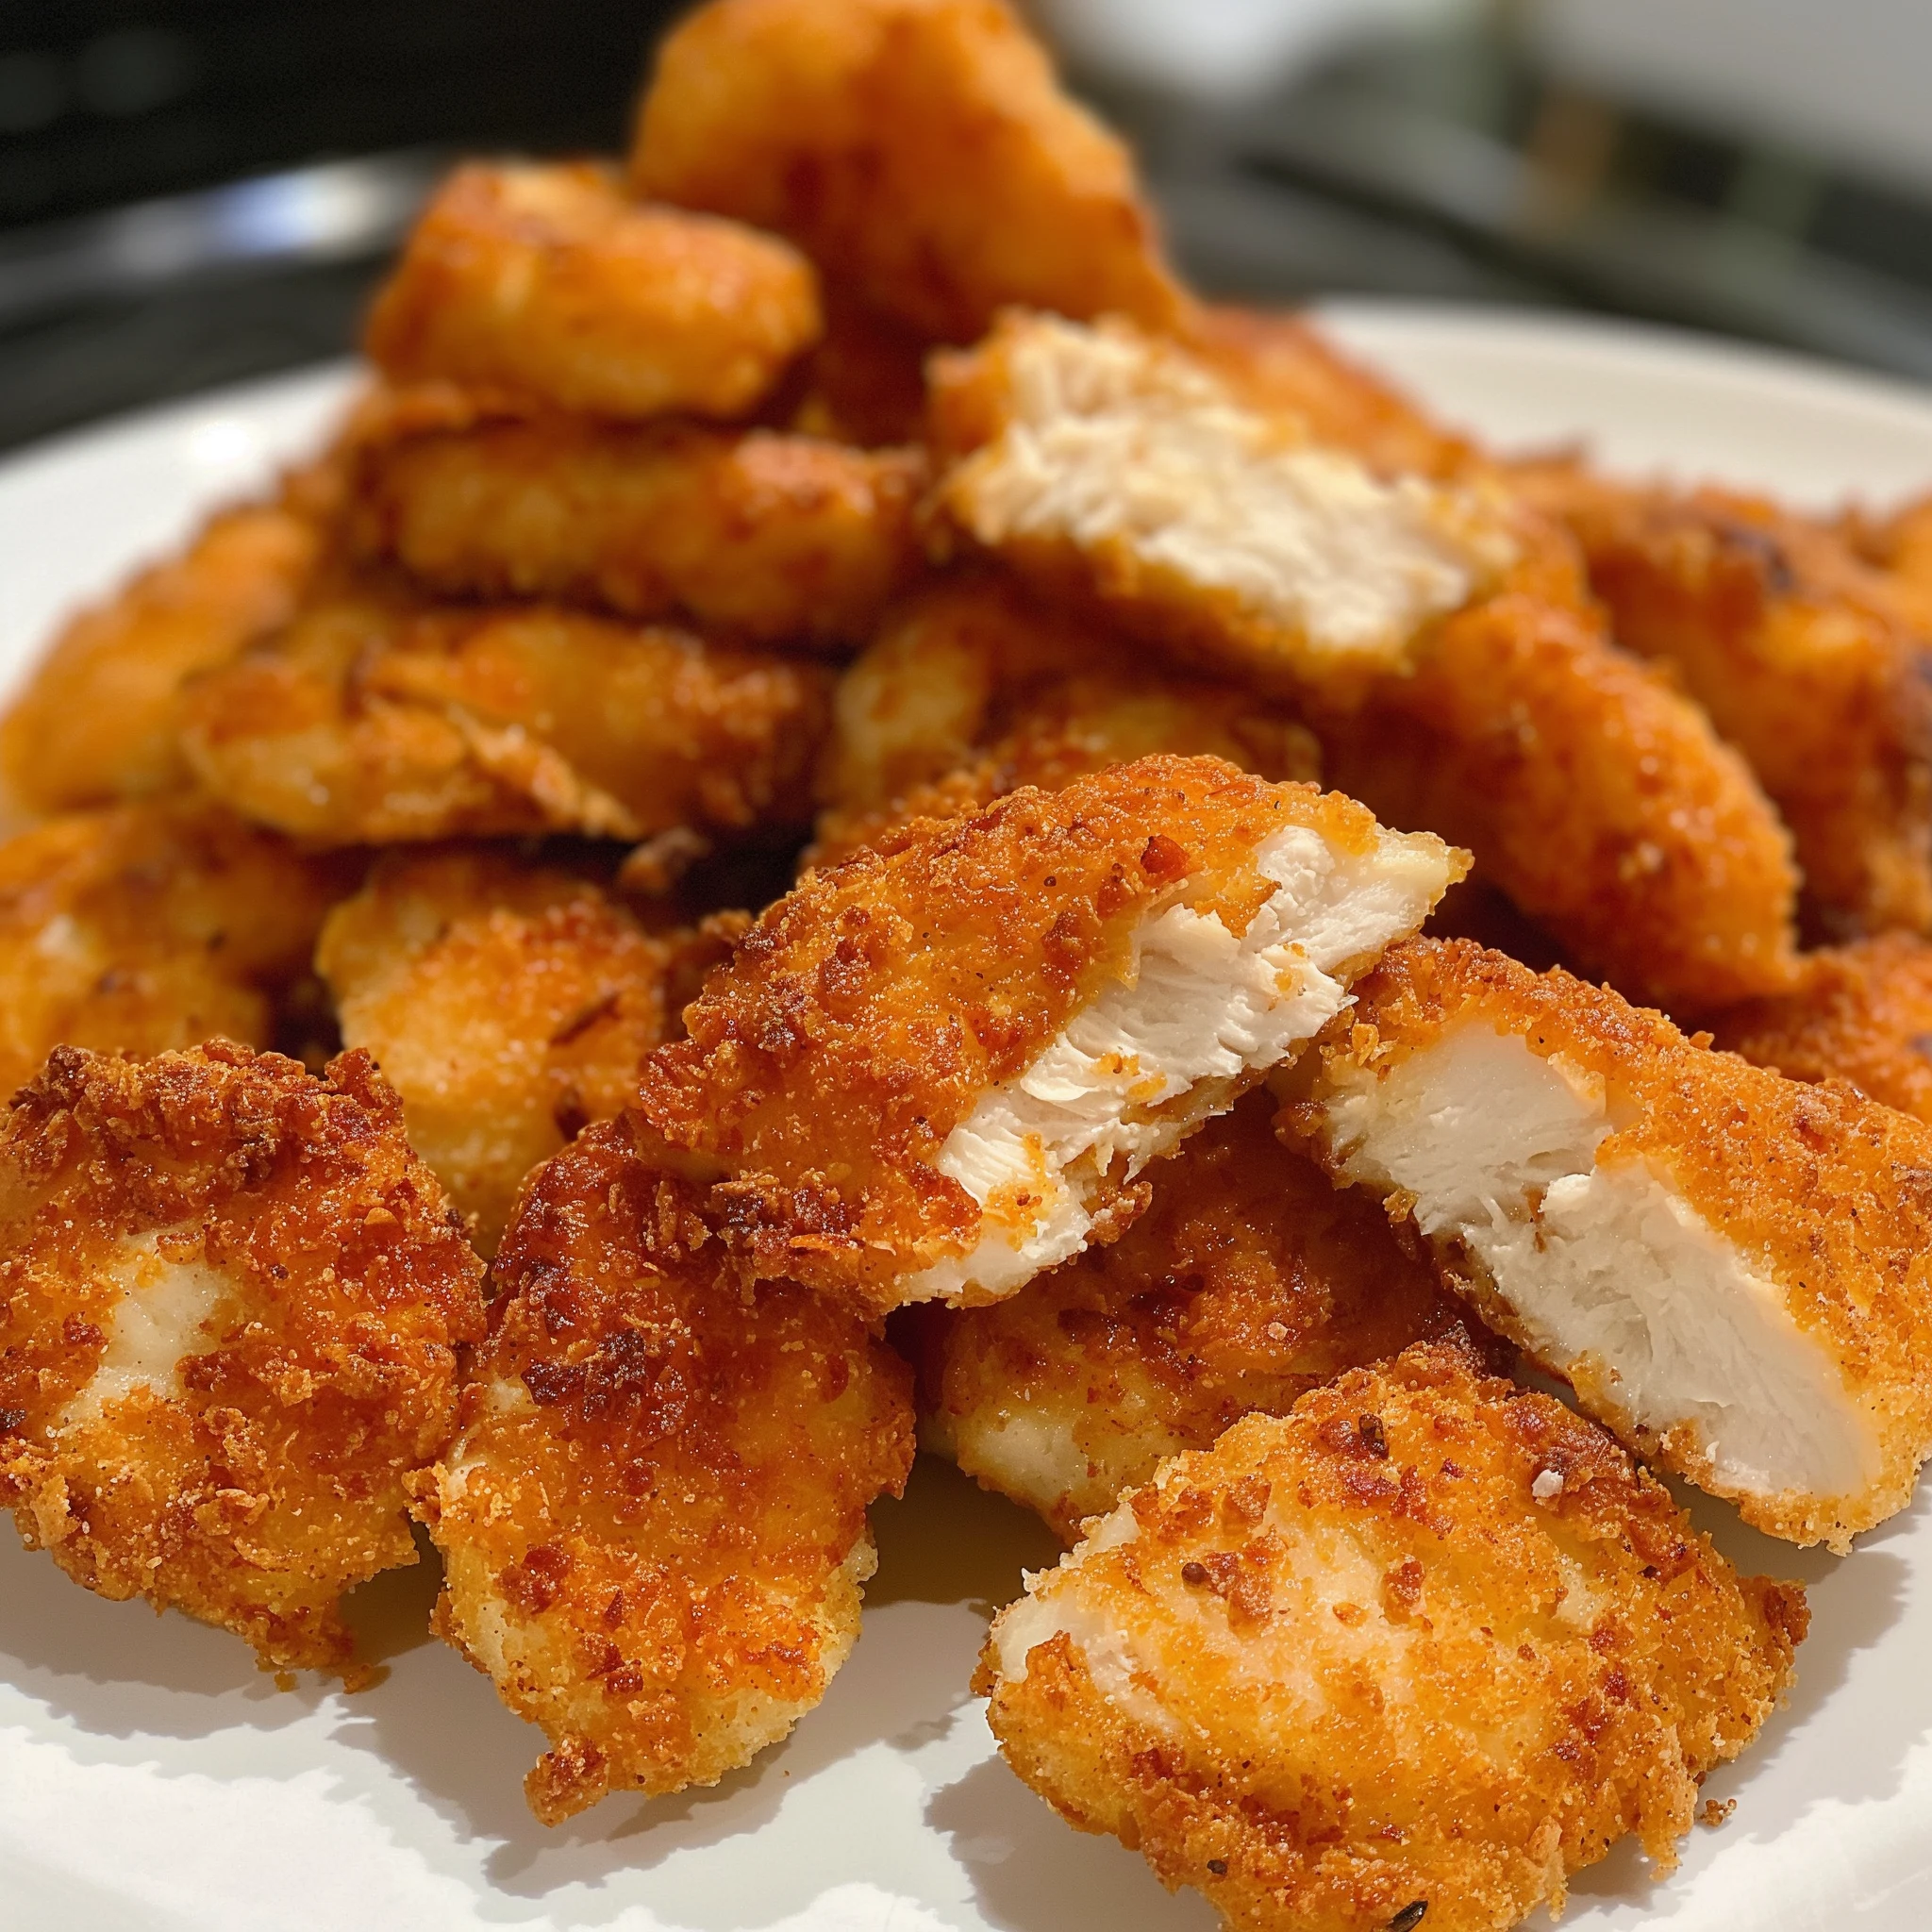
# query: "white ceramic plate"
150,1778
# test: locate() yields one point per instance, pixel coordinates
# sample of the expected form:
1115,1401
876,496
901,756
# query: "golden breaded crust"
1797,651
229,1303
1248,1280
1360,1659
148,926
374,720
920,151
509,1004
547,282
865,382
653,1524
1900,545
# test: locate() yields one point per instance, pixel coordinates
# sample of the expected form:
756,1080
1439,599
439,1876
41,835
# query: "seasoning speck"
1375,1438
1218,1866
1409,1916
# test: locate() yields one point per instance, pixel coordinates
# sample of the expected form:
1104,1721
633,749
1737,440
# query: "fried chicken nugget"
653,1524
546,282
1248,1280
508,1005
147,926
1731,1269
936,1069
374,720
1900,545
229,1303
1430,1644
1801,658
920,151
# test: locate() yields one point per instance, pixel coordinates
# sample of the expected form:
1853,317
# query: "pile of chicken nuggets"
840,818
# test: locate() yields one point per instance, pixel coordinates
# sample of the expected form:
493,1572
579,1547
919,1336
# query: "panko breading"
1861,1014
546,281
971,689
1731,1269
777,538
1799,653
653,1524
373,720
508,1004
1429,1645
147,926
1248,1280
230,1298
920,151
936,1069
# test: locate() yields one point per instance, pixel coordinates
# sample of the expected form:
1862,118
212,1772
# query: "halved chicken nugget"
653,1524
936,1069
1415,1654
547,282
920,151
509,1004
230,1299
1732,1270
376,720
1249,1280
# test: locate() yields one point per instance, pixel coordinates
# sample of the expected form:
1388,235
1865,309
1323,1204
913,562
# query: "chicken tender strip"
372,720
1729,1268
971,689
1803,661
509,1004
775,539
1248,1280
230,1299
148,926
547,282
920,151
1428,1645
936,1069
653,1524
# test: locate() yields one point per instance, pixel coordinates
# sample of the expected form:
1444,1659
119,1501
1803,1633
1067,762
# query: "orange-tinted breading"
1798,651
508,1005
146,927
547,282
865,382
1861,1014
1900,546
777,538
1415,1654
1248,1280
920,151
229,1303
653,1524
373,720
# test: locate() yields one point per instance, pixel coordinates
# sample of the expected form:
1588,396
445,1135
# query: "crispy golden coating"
854,1082
1798,651
1900,546
229,1303
1861,1014
972,689
374,720
547,282
1248,1280
777,538
1429,1644
147,926
653,1524
920,151
508,1004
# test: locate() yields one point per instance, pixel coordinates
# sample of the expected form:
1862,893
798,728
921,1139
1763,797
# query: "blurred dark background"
192,192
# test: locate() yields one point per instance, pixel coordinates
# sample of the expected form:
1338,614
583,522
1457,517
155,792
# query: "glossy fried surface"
146,927
920,151
1248,1280
509,1004
229,1301
653,1524
1799,653
1428,1641
549,283
374,720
